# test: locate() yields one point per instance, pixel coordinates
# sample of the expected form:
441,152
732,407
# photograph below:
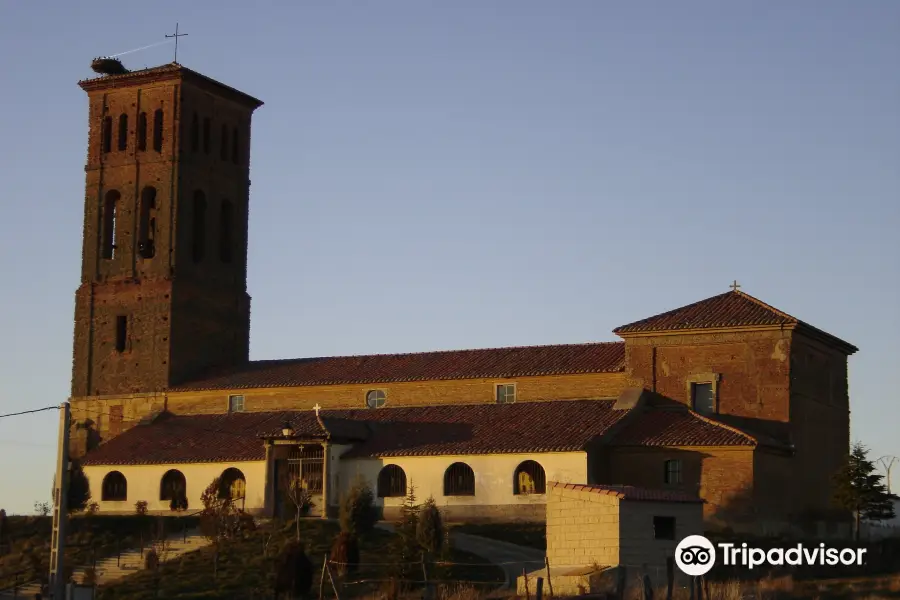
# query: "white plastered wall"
144,484
494,476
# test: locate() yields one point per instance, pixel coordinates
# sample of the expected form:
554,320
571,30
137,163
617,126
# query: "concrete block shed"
593,529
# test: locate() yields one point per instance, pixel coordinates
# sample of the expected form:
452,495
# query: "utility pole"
60,508
887,462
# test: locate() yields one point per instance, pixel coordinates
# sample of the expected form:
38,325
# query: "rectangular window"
158,130
506,393
207,125
121,333
142,131
235,404
703,398
672,472
123,132
664,528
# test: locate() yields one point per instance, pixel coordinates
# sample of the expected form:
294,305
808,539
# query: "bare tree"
297,495
220,520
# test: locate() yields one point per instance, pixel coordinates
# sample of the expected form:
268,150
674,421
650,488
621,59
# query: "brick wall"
415,393
820,422
183,315
774,482
722,477
752,370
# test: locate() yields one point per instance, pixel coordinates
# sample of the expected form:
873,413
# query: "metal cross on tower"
176,35
735,286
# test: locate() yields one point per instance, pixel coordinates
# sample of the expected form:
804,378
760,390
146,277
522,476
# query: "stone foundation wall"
498,513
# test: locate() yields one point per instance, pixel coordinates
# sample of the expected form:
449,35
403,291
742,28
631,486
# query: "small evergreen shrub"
151,560
430,531
358,514
294,571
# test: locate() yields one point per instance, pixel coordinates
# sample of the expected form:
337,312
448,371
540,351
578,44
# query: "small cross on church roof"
735,286
317,408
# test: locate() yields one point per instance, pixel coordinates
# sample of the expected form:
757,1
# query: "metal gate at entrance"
304,464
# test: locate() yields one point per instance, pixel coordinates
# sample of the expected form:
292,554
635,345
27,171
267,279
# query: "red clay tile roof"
187,439
523,361
627,492
679,427
553,426
731,309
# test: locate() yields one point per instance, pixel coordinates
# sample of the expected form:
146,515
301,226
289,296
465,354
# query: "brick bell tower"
163,292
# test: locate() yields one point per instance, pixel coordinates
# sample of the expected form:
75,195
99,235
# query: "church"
727,399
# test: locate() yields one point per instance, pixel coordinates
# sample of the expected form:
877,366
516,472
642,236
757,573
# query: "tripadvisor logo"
695,555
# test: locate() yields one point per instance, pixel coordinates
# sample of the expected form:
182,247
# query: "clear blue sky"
472,174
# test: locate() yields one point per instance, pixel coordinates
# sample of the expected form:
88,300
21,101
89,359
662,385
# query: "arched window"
172,485
223,153
142,131
232,484
147,223
106,132
195,133
529,478
207,142
234,146
123,132
114,487
391,482
459,480
226,231
158,129
672,472
199,225
110,208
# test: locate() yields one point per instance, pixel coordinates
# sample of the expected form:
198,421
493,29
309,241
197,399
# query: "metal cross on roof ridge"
317,408
735,286
176,36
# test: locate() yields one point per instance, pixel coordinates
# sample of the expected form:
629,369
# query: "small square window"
235,404
664,528
506,393
703,399
672,472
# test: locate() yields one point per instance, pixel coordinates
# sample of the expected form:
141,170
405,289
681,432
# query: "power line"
28,412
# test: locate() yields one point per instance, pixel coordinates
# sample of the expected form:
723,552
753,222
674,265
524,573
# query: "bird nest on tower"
108,66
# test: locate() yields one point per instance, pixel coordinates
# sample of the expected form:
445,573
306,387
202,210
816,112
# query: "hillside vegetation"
25,544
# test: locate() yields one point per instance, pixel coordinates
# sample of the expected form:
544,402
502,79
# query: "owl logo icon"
695,555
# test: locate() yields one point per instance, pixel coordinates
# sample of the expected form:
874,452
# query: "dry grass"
776,585
773,588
